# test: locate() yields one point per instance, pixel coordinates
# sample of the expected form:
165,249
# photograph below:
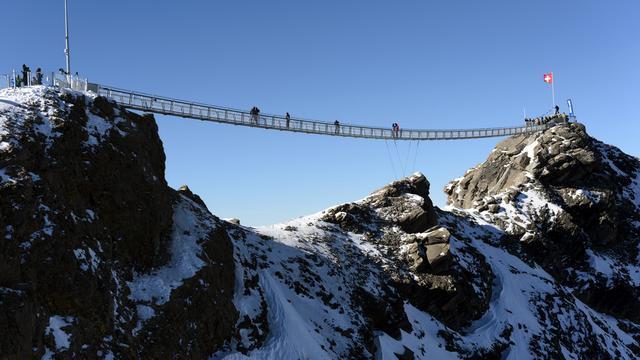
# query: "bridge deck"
187,109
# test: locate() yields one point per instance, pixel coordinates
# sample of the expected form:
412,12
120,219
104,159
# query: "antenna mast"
67,52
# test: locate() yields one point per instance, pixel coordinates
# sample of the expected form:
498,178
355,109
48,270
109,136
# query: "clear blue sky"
423,64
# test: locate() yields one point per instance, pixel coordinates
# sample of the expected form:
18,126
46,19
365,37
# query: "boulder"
430,251
417,220
436,235
439,257
416,256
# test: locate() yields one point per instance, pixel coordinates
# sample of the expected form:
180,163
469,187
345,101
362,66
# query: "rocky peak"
401,219
404,203
571,201
416,184
564,156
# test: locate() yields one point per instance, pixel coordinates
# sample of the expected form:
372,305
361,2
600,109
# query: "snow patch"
55,328
90,214
88,259
99,129
4,178
188,231
530,150
191,225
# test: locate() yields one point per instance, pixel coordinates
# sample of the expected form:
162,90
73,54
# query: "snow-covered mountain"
536,257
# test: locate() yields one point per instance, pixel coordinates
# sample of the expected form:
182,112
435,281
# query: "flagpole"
553,90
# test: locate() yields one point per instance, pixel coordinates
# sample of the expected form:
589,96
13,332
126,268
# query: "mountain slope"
537,256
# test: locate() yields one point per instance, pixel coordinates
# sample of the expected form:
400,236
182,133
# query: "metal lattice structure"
161,105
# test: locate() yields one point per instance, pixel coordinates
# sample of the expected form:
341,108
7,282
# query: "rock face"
100,259
400,218
85,213
572,201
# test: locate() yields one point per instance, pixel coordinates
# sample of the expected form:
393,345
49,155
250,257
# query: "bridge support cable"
395,143
408,159
395,175
416,156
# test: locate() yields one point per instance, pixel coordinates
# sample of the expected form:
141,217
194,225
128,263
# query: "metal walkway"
187,109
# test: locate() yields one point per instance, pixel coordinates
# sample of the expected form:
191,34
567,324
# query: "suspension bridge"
134,100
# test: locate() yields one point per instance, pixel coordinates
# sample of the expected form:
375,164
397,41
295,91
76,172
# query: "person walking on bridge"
255,113
336,124
288,118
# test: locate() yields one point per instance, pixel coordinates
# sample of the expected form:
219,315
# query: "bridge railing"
168,106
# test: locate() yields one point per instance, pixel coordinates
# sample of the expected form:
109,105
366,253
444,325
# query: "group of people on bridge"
543,120
255,114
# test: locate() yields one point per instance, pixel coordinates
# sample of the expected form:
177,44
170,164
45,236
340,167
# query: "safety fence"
5,81
72,82
50,78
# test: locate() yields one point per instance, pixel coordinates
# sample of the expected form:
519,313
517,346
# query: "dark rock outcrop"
85,210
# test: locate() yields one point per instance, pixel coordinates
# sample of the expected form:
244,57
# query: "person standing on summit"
38,77
25,74
557,110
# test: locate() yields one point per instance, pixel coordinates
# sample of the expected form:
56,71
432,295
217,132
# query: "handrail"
188,109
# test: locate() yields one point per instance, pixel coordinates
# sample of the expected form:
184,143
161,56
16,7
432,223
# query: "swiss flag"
548,78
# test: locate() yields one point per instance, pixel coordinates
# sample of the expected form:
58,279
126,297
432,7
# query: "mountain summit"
535,257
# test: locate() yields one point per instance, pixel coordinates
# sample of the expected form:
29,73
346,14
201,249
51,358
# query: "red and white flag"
548,78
